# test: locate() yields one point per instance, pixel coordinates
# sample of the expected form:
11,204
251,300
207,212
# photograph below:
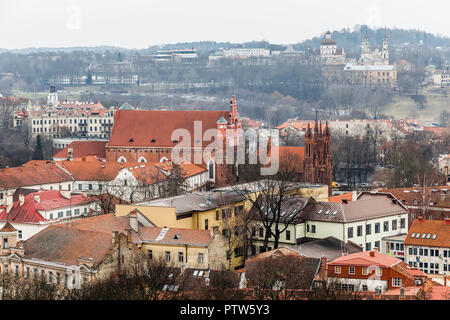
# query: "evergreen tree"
38,152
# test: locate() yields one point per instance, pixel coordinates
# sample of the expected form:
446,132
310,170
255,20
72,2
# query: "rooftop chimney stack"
420,219
354,195
447,221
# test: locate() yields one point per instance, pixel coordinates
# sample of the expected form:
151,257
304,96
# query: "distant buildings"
427,246
372,69
330,53
67,118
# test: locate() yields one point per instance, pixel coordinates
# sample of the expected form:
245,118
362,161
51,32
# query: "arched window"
122,159
163,159
211,167
142,159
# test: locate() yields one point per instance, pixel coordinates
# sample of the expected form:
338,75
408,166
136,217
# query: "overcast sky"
140,23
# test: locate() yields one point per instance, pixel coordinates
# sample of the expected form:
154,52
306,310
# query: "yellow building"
214,211
220,211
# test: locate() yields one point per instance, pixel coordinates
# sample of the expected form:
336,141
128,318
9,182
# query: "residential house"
65,256
36,211
427,246
45,175
217,211
373,271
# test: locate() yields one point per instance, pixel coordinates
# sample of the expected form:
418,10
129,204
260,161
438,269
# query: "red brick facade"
318,161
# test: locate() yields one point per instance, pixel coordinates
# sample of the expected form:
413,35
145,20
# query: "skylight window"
195,273
434,236
328,211
320,211
424,235
413,235
418,235
200,273
334,213
429,236
283,213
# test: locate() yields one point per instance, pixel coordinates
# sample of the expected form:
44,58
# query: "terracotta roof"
365,259
8,228
32,175
49,200
346,196
83,149
158,126
439,293
440,228
63,244
94,170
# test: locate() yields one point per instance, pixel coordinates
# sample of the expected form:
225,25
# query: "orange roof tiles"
83,149
346,196
138,128
32,175
440,228
365,259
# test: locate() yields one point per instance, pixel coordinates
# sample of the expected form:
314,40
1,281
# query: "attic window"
131,140
176,237
320,211
153,140
334,213
195,273
424,235
418,235
434,236
429,236
413,235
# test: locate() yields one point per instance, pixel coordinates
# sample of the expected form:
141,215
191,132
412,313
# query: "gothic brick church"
153,135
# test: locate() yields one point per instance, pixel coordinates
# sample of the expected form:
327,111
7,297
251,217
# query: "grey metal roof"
197,201
329,247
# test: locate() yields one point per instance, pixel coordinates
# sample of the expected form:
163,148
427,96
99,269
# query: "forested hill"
352,39
349,39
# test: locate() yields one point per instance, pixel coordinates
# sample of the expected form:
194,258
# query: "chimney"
402,293
37,197
420,219
134,223
9,199
115,237
70,153
354,195
21,199
447,221
372,252
83,159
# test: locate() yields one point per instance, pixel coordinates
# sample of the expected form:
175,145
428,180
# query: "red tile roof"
94,170
346,196
440,228
83,149
365,259
29,211
138,128
31,174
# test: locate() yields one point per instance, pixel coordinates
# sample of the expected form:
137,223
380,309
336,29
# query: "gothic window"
211,169
122,159
142,159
